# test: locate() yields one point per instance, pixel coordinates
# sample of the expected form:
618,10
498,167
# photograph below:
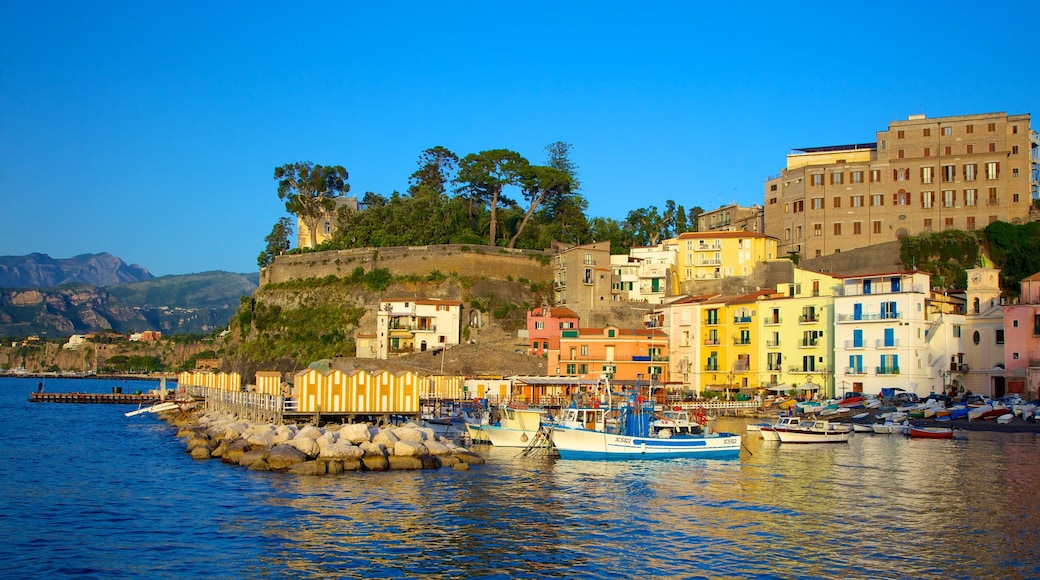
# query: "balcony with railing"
882,289
773,321
711,322
712,247
854,345
711,342
773,343
887,370
738,341
709,262
882,343
808,319
712,367
796,370
854,371
870,317
808,343
742,319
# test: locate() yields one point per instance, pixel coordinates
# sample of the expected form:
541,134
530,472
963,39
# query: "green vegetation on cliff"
1014,249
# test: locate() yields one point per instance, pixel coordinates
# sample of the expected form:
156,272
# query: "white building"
656,265
408,325
880,333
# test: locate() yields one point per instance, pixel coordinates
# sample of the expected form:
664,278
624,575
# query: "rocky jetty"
311,450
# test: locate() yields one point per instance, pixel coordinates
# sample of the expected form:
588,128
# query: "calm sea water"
88,492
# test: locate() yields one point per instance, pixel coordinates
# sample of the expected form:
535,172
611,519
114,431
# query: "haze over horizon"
151,131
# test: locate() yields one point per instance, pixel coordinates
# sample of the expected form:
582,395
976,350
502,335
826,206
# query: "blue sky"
150,130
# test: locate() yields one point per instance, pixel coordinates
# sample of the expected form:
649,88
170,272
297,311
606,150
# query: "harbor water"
88,492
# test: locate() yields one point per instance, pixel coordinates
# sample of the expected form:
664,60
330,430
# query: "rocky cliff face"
43,271
64,311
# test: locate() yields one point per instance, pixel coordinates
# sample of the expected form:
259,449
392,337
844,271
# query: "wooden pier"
111,398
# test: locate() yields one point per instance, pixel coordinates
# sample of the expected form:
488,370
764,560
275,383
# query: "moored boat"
516,428
818,431
768,432
931,432
584,433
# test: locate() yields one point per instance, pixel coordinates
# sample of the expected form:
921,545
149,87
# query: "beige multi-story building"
732,217
582,278
921,175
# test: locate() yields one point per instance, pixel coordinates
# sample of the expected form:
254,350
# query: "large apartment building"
921,175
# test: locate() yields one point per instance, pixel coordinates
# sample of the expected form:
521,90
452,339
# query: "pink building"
544,326
1022,341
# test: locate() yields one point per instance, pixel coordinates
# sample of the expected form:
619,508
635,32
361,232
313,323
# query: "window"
900,174
584,350
837,178
992,200
539,324
947,150
900,134
583,368
947,131
875,175
971,222
948,172
857,177
1014,172
787,234
999,336
857,201
877,227
969,197
817,179
927,224
901,198
817,203
969,149
571,369
992,170
876,200
837,202
798,232
837,229
991,127
926,174
969,171
1014,149
969,129
927,199
1014,129
947,197
899,153
798,206
948,222
817,229
927,152
992,147
927,133
1014,197
857,228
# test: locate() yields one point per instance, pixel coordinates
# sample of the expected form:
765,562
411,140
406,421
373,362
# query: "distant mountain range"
43,271
100,292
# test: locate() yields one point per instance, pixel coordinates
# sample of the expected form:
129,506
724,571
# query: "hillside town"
728,312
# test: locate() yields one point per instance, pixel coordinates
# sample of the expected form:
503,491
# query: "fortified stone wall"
765,275
871,260
464,259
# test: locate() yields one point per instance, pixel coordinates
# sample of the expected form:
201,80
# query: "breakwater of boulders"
311,450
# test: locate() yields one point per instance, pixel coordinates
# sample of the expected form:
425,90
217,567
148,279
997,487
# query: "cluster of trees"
494,197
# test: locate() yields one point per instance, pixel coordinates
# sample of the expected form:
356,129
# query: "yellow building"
796,325
729,331
715,255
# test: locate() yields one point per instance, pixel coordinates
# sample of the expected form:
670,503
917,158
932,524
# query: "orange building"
619,353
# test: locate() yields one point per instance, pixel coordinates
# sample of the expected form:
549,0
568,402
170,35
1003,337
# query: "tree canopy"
310,190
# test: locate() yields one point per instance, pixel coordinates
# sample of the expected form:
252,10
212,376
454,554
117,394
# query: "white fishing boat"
862,428
818,431
768,432
517,428
891,427
588,433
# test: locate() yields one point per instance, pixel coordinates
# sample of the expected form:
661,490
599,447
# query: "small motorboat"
1005,418
931,433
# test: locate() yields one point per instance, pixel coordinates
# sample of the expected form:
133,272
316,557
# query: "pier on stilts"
111,398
